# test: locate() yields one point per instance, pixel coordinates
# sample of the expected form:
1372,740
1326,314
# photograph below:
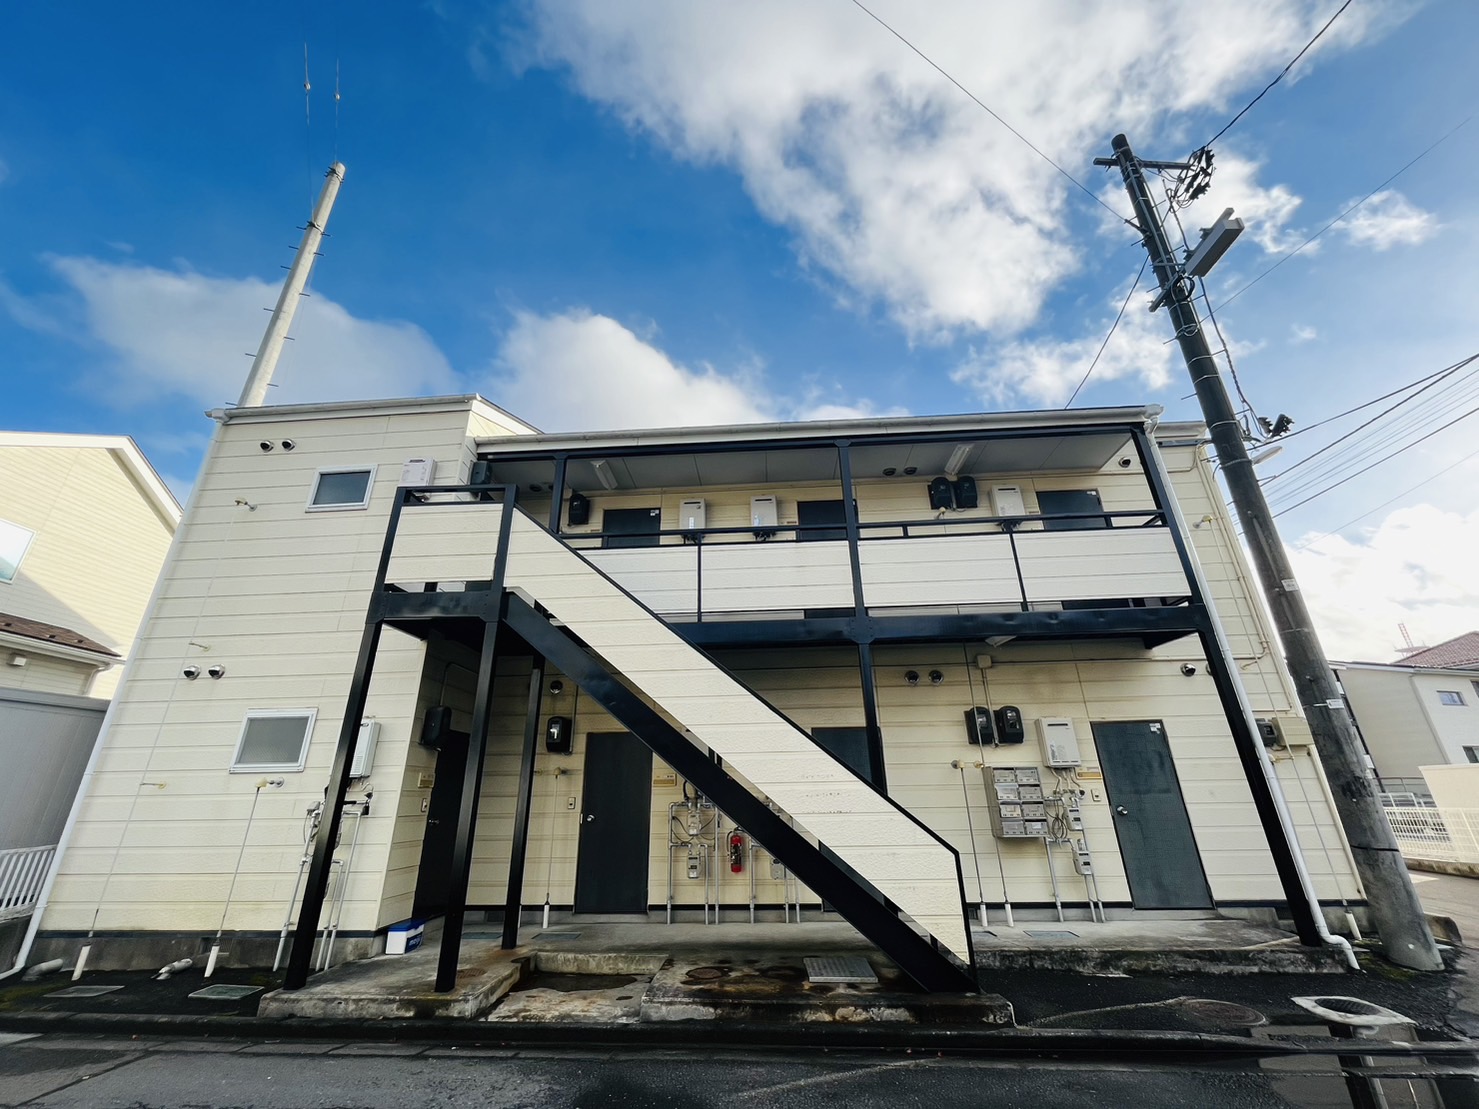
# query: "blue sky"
665,211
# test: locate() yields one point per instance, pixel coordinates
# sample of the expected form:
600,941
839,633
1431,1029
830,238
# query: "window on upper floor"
1472,754
14,542
273,739
341,488
1450,697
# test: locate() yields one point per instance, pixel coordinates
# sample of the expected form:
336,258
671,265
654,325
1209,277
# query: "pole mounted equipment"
1393,903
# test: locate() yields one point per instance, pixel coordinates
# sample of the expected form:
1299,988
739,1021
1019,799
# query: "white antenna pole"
255,391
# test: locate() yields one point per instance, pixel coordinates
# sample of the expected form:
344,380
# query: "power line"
1398,497
1118,316
1378,462
1343,215
982,104
1280,77
1366,404
1386,411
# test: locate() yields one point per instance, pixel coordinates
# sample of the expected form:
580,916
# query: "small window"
346,487
1450,697
14,542
1472,753
273,740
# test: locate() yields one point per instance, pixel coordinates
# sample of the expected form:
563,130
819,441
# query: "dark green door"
631,527
615,825
1162,863
1050,502
435,872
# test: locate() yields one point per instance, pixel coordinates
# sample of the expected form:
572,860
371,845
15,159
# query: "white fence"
22,874
1445,835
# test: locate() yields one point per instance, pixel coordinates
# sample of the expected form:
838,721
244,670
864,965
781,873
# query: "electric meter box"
1059,744
419,471
693,515
559,735
764,512
364,748
980,727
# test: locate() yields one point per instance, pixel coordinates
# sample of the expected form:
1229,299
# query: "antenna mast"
255,390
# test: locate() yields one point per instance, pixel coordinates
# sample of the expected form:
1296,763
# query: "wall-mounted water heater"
1059,744
364,749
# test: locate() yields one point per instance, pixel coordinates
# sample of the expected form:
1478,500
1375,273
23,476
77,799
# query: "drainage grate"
1051,935
557,936
840,968
223,992
84,991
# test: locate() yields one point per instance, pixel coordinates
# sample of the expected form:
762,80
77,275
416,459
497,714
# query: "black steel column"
477,746
861,623
301,956
1244,735
513,905
557,495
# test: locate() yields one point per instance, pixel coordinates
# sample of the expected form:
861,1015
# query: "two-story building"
919,671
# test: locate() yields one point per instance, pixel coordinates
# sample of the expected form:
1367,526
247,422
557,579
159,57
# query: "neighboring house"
1412,715
928,663
84,527
1459,653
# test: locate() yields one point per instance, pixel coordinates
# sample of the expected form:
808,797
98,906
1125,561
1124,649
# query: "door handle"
432,821
1122,810
589,818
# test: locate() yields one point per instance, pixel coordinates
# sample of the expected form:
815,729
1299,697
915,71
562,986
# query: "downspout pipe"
1281,806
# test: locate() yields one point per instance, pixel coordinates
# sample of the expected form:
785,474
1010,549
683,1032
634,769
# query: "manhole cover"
84,991
845,968
708,974
557,936
223,992
1052,935
1227,1014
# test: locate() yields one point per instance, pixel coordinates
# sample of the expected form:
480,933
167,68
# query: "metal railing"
1444,835
23,872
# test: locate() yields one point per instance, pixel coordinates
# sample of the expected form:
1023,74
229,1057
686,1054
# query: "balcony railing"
23,872
989,564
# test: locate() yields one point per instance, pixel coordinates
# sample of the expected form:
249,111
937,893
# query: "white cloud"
1302,333
1388,219
1416,567
893,182
183,333
578,371
1046,371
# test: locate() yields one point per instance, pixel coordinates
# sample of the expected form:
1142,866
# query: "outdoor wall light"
288,444
936,677
217,672
889,471
1188,669
265,445
910,471
911,676
190,673
556,687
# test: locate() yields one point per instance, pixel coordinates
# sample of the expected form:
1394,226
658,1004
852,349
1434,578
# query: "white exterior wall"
1454,726
277,596
100,541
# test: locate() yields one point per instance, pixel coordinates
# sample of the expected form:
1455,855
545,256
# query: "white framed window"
1450,697
273,739
14,542
336,488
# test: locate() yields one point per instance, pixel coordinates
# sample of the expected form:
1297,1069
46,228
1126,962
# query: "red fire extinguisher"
736,851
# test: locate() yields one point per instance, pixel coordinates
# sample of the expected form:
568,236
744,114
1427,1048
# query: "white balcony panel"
1101,562
446,542
944,570
665,579
756,577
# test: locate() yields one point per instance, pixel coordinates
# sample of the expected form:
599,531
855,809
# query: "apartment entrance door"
434,874
1162,863
615,825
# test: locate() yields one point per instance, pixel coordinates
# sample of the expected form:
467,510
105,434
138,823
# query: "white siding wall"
98,548
277,596
47,675
1392,721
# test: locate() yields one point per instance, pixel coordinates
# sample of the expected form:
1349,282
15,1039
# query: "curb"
726,1034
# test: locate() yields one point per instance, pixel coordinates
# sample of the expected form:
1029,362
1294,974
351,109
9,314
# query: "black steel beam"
917,956
479,604
513,907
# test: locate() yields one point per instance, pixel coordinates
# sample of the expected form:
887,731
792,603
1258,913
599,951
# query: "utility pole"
263,365
1392,900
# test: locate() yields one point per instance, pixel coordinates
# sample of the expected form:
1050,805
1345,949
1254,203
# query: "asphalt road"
100,1073
1451,897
